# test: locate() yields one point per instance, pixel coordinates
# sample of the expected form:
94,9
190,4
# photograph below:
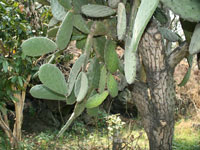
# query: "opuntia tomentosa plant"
89,22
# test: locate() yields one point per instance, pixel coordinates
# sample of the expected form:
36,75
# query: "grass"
186,136
82,137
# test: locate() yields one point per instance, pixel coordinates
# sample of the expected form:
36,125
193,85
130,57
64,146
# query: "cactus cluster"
96,28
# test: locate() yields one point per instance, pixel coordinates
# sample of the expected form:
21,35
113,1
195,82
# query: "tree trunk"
155,97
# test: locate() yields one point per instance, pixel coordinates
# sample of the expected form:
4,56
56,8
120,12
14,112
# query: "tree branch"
178,54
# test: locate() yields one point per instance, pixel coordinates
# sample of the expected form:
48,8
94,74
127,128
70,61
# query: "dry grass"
188,95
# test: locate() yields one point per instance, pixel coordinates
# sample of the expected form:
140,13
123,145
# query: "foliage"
14,65
16,68
107,27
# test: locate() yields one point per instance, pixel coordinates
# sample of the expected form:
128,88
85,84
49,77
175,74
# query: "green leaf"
42,92
65,31
96,100
194,47
20,81
103,78
121,21
110,56
74,72
144,14
14,79
97,11
38,46
5,66
53,78
112,85
58,10
80,24
81,87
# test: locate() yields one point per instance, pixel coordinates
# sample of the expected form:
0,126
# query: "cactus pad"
112,85
96,100
194,47
65,31
38,46
110,56
187,9
74,72
81,87
58,10
80,24
42,92
97,11
121,21
53,78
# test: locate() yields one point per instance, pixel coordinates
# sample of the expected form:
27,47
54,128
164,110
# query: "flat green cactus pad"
93,10
194,47
38,46
58,10
121,21
53,78
112,85
42,92
65,31
110,56
187,9
96,100
74,72
81,87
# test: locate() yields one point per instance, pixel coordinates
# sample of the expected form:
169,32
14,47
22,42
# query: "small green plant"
115,132
115,125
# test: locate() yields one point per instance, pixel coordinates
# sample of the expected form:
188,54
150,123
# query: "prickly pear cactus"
186,9
98,27
38,46
42,92
93,10
53,78
65,31
58,10
96,100
121,21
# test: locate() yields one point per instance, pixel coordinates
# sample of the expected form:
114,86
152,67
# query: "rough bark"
155,98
